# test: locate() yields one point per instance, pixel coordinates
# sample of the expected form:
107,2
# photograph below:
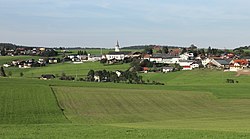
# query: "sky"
100,23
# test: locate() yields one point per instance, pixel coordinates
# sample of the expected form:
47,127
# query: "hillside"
195,104
28,104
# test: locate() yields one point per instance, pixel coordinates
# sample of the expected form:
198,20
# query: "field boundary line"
58,104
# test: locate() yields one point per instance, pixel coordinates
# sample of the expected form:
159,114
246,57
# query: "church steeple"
117,47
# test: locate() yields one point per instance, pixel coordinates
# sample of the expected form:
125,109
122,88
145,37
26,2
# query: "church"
117,54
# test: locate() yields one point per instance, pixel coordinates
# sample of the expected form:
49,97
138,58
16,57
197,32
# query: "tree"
114,78
202,52
3,53
21,74
2,72
209,50
165,50
184,50
103,61
85,53
148,50
135,64
90,76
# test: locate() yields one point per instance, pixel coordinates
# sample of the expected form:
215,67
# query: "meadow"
192,104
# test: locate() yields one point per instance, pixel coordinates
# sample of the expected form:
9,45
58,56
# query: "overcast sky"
99,23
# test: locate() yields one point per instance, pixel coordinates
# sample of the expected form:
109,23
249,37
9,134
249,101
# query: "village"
157,58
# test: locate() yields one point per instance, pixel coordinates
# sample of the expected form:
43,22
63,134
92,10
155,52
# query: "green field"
8,59
79,70
192,104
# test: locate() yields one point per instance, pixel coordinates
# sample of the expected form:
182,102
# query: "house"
53,60
167,69
187,56
97,78
6,65
238,64
47,76
169,59
94,57
136,54
186,64
157,58
221,63
146,56
164,58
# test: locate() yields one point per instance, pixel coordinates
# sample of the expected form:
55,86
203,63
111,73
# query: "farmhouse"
94,57
186,64
238,64
220,63
163,58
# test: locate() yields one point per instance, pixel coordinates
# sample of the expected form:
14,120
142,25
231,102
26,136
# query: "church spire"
117,47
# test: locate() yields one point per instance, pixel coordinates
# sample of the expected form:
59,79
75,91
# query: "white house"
164,58
186,64
167,69
94,57
116,55
6,65
235,67
186,56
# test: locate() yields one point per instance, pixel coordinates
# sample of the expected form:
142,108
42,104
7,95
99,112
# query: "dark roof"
186,61
222,61
119,53
165,56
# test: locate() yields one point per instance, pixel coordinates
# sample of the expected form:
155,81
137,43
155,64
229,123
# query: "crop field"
191,104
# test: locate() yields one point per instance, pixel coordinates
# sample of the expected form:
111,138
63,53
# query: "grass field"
28,103
79,70
191,104
8,59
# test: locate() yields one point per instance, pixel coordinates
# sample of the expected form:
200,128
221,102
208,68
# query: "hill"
192,104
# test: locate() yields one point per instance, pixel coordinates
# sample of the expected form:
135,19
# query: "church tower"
117,47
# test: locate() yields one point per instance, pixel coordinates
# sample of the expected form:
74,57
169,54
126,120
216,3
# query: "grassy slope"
157,109
28,103
198,115
108,132
68,68
8,59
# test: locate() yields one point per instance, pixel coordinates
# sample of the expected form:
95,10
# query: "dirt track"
243,72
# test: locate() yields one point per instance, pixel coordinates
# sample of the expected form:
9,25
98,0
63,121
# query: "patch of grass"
8,59
109,132
81,70
28,103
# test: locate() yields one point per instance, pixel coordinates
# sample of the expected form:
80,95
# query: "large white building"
117,54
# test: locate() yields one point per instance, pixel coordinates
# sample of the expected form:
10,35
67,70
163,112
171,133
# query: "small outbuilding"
47,76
